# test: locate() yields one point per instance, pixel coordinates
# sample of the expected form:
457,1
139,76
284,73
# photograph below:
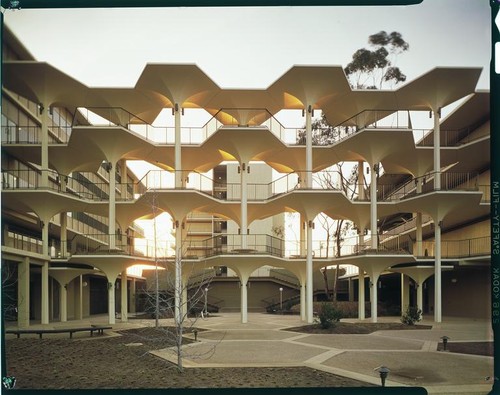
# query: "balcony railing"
31,179
466,248
449,182
25,135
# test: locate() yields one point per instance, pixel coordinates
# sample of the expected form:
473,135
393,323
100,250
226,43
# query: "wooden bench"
40,332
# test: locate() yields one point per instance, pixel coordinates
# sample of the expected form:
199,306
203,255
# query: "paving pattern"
411,355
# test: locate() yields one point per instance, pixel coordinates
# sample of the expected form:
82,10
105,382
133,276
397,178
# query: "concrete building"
420,202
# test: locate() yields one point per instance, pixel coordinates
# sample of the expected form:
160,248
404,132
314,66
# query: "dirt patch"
347,328
107,362
475,348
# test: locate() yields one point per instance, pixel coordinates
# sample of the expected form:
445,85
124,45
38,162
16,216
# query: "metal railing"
447,138
25,135
31,179
465,248
449,181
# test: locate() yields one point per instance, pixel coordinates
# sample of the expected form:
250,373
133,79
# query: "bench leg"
91,333
40,335
71,335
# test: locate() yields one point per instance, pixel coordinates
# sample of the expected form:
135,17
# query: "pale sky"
249,47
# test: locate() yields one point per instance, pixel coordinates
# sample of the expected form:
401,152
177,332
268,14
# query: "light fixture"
445,342
383,372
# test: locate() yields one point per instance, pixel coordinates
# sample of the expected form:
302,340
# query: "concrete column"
179,179
132,295
361,294
23,293
419,251
45,293
184,302
420,296
303,235
178,273
361,181
44,115
112,207
309,160
63,217
45,236
111,301
124,294
244,299
437,150
437,272
123,167
309,275
302,301
405,293
244,205
63,298
373,297
373,207
79,299
351,290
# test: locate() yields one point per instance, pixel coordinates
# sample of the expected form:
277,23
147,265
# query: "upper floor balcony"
236,117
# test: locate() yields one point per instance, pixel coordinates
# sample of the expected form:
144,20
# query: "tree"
336,230
164,289
372,68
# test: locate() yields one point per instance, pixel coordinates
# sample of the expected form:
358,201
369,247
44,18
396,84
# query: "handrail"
464,248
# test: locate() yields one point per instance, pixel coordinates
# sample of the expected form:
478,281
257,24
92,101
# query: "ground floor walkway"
411,355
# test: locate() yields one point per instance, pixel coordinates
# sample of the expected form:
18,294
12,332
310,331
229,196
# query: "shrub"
412,314
328,315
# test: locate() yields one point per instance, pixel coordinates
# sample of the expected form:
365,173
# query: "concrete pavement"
411,355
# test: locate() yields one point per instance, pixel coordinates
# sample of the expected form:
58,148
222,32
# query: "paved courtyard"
411,355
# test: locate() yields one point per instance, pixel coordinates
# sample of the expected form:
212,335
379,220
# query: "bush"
328,315
412,314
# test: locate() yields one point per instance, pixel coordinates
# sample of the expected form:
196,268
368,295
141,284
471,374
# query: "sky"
249,47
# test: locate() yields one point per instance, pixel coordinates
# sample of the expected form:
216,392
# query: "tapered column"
179,179
244,205
309,274
303,301
373,297
309,160
361,181
112,206
63,298
23,293
244,299
437,272
405,293
124,294
437,150
45,293
361,294
373,206
44,115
